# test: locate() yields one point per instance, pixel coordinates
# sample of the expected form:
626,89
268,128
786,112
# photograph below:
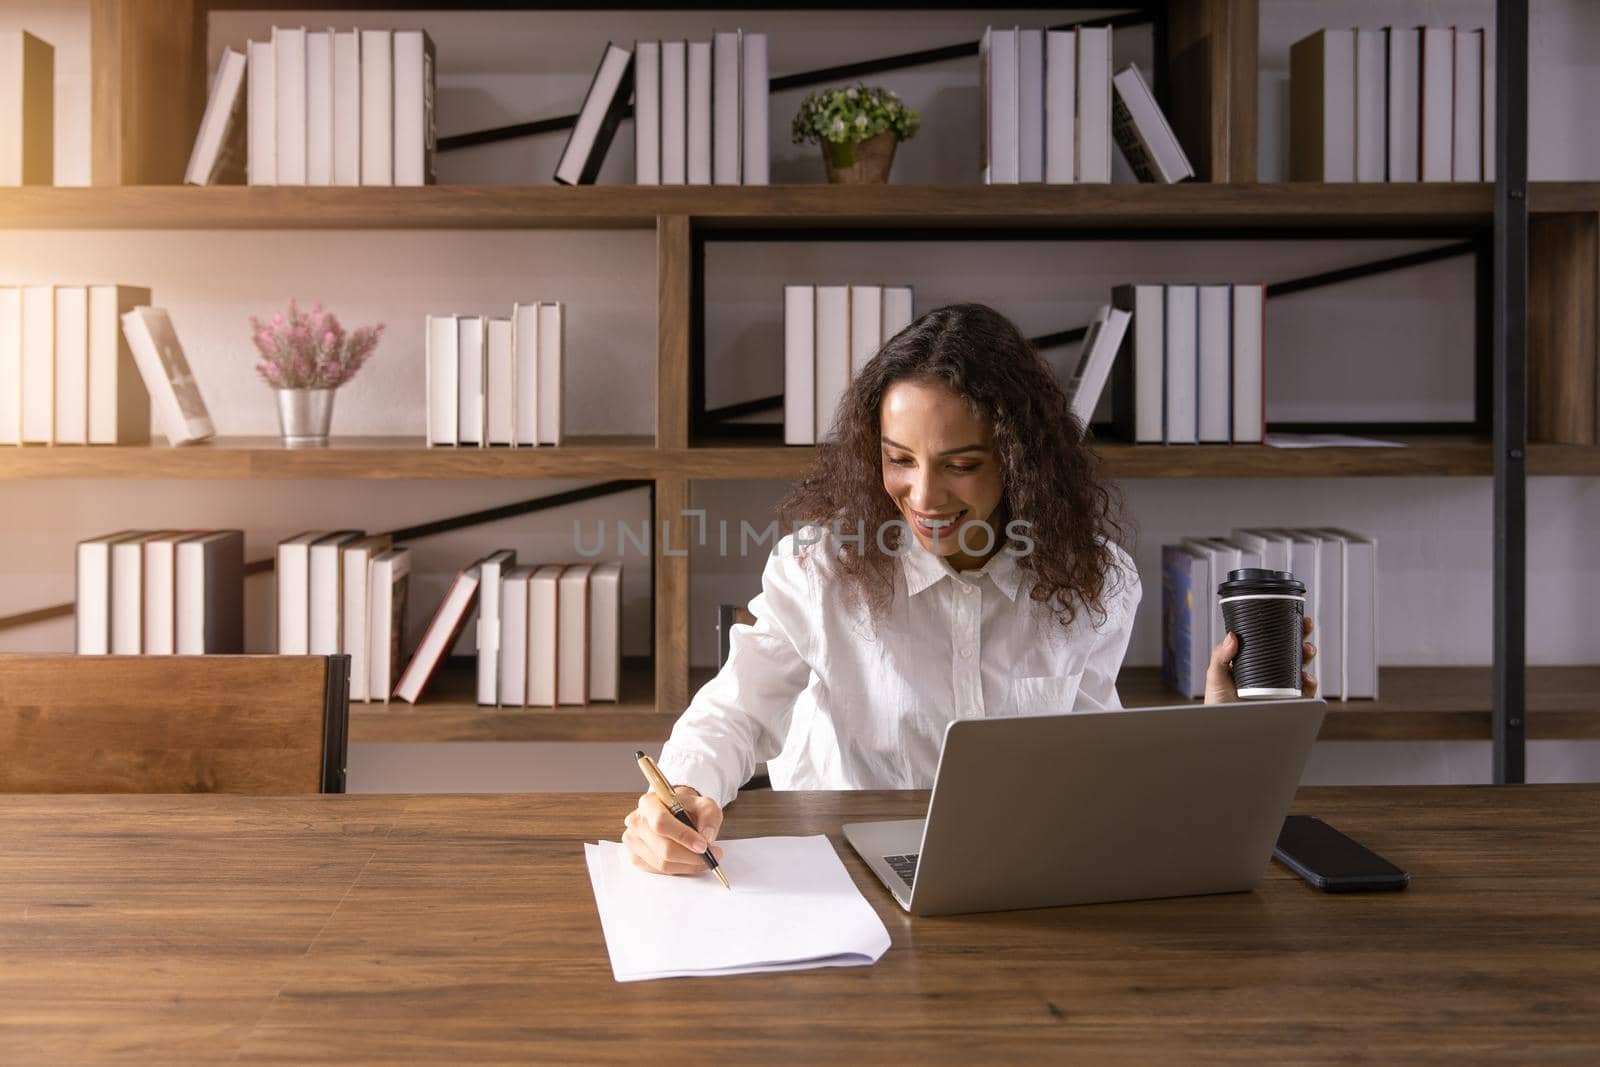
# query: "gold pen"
658,784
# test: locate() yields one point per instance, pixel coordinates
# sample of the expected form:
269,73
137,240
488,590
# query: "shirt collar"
923,569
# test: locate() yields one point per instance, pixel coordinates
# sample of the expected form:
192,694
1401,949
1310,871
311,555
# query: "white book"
1404,103
92,597
799,365
1249,400
1360,619
1224,557
552,343
175,395
866,325
389,581
598,118
469,383
1094,104
833,353
440,635
1371,107
214,155
543,630
414,95
1213,575
674,112
119,402
377,107
1322,107
511,676
1273,546
572,636
1215,383
10,365
1141,381
72,365
698,123
1099,353
897,310
27,109
1487,135
499,384
1142,132
1304,564
442,368
261,114
998,60
325,617
347,107
1467,105
1060,106
38,364
753,114
289,56
1183,362
160,594
319,107
489,642
727,123
605,632
525,342
355,628
294,593
1030,105
1328,634
1438,107
647,112
210,609
127,594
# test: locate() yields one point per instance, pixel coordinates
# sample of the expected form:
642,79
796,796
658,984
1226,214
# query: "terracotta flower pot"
860,164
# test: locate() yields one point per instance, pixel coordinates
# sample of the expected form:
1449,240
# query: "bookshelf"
149,81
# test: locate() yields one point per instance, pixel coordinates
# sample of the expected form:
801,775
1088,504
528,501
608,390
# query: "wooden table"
214,929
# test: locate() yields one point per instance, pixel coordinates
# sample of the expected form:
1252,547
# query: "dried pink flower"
310,351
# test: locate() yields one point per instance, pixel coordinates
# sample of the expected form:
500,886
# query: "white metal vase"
304,416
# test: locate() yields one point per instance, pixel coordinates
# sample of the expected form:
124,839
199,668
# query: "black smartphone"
1331,861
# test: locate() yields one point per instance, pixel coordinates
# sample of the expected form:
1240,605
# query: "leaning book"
175,395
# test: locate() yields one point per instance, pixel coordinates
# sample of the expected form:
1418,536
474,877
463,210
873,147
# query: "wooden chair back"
173,724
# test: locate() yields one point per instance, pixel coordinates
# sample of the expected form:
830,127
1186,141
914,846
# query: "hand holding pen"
665,843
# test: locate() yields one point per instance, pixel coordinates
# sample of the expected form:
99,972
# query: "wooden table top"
457,929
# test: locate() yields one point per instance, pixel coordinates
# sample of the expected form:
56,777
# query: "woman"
955,557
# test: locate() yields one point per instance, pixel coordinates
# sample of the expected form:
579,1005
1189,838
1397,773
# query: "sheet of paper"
1326,440
792,906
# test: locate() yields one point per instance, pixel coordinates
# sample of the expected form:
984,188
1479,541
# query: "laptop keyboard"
904,866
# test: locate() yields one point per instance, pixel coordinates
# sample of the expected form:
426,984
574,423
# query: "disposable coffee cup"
1264,609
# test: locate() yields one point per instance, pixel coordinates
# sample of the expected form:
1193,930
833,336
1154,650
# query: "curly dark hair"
1049,474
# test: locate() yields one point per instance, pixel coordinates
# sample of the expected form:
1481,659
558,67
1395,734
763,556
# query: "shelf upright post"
147,88
1209,83
674,306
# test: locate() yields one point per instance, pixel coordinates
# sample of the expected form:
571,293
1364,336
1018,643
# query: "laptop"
1096,806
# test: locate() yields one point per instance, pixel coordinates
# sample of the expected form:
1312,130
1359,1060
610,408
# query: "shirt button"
968,589
966,653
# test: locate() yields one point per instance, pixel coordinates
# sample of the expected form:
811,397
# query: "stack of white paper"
792,906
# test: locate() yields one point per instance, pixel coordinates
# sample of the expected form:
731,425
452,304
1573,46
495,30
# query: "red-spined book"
440,636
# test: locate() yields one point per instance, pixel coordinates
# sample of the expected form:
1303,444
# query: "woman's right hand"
658,842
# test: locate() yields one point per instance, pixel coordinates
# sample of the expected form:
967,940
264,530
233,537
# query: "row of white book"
496,381
1400,104
829,334
1339,569
341,591
1051,110
160,592
1194,372
27,109
80,364
321,107
700,111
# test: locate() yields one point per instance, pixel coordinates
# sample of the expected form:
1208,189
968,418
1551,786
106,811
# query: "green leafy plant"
839,119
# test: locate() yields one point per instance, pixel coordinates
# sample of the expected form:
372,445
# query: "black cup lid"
1260,580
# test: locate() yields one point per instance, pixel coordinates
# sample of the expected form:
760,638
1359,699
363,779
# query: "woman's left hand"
1219,675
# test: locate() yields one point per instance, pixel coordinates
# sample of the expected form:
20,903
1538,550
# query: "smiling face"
940,470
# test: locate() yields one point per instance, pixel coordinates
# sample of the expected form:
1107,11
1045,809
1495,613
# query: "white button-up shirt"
832,700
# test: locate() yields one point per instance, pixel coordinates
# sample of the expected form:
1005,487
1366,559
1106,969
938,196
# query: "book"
674,111
897,309
127,593
866,325
1404,105
325,618
1322,121
1273,546
27,109
552,343
605,632
1214,383
499,384
175,395
1094,104
698,123
355,627
1140,374
799,365
119,404
597,121
415,133
92,593
832,353
1371,107
160,592
347,107
647,112
489,642
754,101
38,389
997,53
471,354
1181,413
572,636
261,114
511,677
525,343
71,365
210,593
1060,106
1030,105
543,636
1093,369
289,57
10,365
1328,633
1487,135
389,583
1249,399
1304,564
293,572
1142,132
319,107
440,636
1359,621
1467,106
1437,125
441,369
219,153
1184,622
726,83
377,107
1223,557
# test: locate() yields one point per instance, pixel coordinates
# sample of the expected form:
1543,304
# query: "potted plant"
858,127
305,357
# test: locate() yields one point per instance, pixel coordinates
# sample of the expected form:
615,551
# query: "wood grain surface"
450,930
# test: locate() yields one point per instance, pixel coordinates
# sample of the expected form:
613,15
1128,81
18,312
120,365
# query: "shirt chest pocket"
1040,696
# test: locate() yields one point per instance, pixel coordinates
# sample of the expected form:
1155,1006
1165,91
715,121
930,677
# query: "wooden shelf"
1432,704
1196,206
1547,198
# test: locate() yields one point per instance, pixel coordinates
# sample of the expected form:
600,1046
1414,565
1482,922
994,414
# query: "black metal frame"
335,723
